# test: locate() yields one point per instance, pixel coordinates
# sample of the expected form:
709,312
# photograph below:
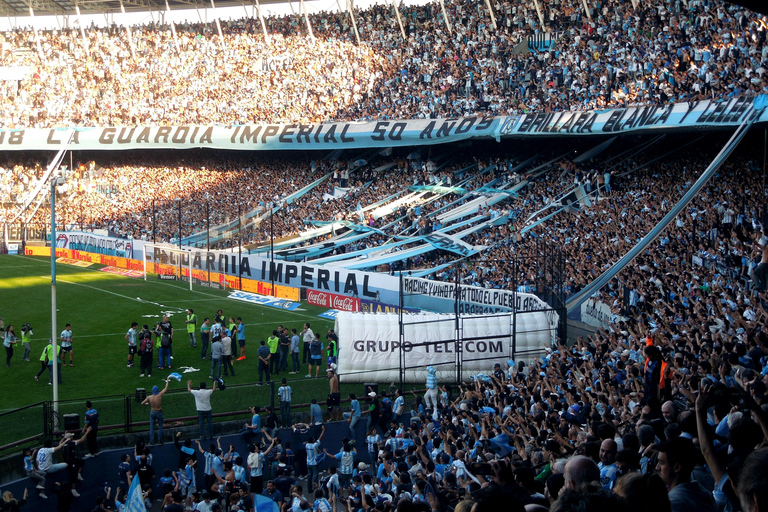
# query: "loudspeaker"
72,421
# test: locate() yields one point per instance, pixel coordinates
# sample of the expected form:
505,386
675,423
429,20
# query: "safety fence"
123,414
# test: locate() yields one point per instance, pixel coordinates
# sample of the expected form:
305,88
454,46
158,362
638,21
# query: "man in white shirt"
203,406
307,336
45,456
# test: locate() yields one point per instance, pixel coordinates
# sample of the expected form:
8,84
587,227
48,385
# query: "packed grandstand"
688,312
468,63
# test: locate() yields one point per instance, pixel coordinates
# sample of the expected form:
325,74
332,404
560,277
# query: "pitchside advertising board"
371,345
690,116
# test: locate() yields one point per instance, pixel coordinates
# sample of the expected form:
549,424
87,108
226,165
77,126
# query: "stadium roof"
68,7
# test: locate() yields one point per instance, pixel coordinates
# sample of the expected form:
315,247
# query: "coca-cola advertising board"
333,300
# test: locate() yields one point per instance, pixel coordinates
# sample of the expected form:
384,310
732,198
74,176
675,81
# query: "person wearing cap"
374,411
155,402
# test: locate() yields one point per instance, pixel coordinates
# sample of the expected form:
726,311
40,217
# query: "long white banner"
369,344
689,116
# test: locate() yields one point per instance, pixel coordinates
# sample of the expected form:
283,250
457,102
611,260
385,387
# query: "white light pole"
55,182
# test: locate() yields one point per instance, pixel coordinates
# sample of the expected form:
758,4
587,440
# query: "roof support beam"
351,8
128,32
263,24
399,21
173,28
218,25
306,17
493,16
82,31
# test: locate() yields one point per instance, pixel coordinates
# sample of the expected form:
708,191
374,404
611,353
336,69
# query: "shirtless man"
334,398
155,401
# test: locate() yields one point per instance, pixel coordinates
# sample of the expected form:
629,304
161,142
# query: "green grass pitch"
101,307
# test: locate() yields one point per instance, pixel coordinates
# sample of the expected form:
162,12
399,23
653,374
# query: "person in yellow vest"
49,361
192,327
273,341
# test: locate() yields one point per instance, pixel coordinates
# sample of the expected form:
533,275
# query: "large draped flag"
135,500
264,504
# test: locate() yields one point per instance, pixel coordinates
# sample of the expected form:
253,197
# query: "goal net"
167,263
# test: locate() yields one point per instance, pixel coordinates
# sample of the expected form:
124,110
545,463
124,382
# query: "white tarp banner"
369,344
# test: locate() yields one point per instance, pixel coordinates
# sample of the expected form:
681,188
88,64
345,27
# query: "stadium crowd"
617,55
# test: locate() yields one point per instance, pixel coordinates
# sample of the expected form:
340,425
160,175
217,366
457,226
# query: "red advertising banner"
333,300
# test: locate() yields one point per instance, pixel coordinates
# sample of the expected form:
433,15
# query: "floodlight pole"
240,247
272,249
178,201
55,354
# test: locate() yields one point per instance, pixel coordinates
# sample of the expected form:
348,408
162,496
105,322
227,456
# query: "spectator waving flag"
264,504
135,500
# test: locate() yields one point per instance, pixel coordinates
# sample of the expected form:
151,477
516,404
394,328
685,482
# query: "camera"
26,327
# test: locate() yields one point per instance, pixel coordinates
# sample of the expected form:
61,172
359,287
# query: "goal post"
167,262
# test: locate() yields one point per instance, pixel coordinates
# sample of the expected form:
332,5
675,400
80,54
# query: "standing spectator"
307,336
430,397
217,354
346,458
353,416
273,341
295,352
264,356
334,396
9,342
315,356
31,472
284,392
761,271
313,447
283,349
26,340
241,338
66,344
374,411
205,336
192,327
124,473
398,405
130,337
155,402
256,466
74,463
203,406
92,422
272,493
226,353
676,460
145,352
146,474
